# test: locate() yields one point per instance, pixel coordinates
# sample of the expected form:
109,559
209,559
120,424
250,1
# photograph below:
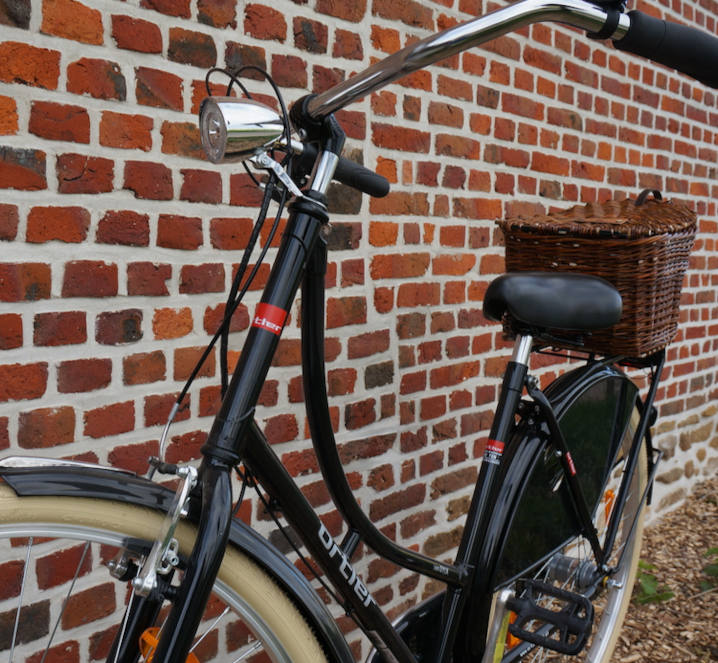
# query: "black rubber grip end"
686,49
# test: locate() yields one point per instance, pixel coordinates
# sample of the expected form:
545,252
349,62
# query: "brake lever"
265,162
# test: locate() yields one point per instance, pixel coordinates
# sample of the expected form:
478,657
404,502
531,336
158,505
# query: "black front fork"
224,446
230,430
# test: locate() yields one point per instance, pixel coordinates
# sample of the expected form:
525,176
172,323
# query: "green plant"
711,570
648,587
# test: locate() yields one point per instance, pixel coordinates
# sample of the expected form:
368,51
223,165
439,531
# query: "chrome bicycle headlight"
237,129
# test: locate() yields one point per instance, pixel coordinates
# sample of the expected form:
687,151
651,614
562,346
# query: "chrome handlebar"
575,13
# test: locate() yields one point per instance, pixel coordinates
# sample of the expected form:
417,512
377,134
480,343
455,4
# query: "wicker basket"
640,246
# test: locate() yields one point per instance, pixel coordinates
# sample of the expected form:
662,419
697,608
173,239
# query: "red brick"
100,79
144,368
158,408
238,55
65,652
124,227
134,457
63,328
396,502
310,35
401,203
172,323
213,317
22,63
457,146
289,71
28,281
180,8
400,138
433,407
358,415
201,186
59,122
186,447
66,224
89,605
347,45
457,264
263,22
182,138
10,331
22,381
81,174
62,566
230,233
341,381
185,359
402,266
72,20
46,427
179,232
110,420
350,10
151,181
243,191
89,278
324,78
82,375
11,576
346,311
445,114
147,278
8,116
9,220
158,88
119,327
197,279
136,35
126,131
418,294
191,47
281,428
411,12
218,13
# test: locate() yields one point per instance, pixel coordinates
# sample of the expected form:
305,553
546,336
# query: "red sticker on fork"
270,318
494,451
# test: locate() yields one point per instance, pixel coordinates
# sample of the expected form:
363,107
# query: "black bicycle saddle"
547,300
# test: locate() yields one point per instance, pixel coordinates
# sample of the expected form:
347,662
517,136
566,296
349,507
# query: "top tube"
576,13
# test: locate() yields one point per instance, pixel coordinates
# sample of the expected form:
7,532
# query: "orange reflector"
148,644
609,497
511,640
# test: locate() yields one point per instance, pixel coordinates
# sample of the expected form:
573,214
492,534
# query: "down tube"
275,479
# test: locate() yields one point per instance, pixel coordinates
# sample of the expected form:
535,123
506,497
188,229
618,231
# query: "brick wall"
119,240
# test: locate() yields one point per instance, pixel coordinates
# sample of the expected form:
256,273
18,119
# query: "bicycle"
564,591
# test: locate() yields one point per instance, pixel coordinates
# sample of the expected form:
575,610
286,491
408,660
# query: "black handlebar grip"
680,47
356,176
350,173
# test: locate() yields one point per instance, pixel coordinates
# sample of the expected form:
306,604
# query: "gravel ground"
684,627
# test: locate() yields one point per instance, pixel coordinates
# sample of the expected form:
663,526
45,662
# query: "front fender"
49,477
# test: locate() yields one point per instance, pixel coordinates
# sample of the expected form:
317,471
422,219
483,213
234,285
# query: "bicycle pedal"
561,623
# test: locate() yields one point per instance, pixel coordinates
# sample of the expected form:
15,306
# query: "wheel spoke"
67,598
22,593
249,650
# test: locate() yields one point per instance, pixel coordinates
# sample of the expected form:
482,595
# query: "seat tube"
478,517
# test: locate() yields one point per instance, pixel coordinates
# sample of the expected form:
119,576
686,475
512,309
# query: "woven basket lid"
628,218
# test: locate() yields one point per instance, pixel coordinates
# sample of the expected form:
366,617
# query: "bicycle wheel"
570,567
58,601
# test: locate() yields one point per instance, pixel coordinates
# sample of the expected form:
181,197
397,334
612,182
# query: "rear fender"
50,477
